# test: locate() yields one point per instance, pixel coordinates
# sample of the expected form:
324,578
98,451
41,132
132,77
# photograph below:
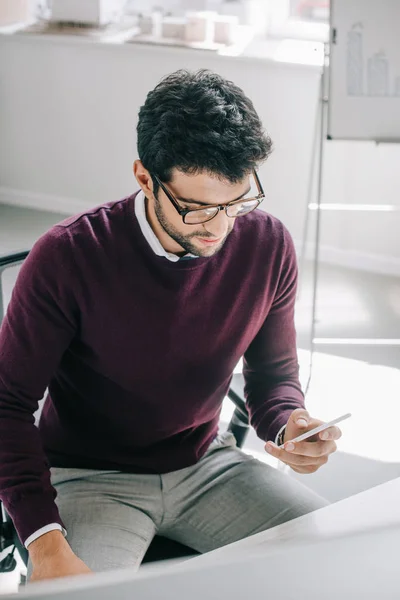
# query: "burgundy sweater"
137,352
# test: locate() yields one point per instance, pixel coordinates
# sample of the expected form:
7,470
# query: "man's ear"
143,178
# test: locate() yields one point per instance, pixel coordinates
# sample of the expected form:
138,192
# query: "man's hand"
310,455
52,557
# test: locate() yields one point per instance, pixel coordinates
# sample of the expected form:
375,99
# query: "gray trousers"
111,517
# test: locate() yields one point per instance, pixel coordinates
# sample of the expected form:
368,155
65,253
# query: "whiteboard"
364,70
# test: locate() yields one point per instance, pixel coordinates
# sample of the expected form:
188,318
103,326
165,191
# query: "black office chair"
161,548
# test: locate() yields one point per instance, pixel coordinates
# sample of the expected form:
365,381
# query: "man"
134,315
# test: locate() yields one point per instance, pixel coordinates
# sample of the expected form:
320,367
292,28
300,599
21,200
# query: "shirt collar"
152,239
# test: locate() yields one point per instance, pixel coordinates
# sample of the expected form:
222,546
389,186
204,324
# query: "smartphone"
318,429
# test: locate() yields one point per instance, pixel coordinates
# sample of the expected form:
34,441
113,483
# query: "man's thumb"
301,417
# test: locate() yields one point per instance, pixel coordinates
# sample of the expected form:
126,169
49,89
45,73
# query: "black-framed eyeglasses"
236,208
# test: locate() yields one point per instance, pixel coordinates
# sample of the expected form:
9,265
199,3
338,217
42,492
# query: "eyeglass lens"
235,210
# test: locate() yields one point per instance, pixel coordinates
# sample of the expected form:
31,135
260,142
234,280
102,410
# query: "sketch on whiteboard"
378,75
370,77
355,61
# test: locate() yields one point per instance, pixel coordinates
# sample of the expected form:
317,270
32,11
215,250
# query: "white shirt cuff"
42,531
279,433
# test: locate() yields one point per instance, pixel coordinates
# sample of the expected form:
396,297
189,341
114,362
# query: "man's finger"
273,450
306,470
313,449
300,417
332,433
294,459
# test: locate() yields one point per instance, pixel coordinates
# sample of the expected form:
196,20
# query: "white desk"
347,550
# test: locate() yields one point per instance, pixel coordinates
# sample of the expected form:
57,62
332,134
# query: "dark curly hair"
200,122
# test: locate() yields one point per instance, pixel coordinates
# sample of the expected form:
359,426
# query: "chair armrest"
236,394
10,260
239,424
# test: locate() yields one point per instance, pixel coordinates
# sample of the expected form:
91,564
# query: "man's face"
191,192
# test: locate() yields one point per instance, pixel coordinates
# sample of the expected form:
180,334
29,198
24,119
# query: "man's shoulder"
84,231
96,215
263,228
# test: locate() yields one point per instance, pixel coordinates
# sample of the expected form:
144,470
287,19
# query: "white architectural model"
88,12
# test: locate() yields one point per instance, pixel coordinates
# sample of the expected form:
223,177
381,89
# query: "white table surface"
347,550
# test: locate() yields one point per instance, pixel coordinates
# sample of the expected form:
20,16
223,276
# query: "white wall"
68,117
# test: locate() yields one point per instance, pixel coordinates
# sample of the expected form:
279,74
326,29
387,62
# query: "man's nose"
218,226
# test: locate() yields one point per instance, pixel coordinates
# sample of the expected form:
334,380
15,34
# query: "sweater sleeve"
270,368
40,323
